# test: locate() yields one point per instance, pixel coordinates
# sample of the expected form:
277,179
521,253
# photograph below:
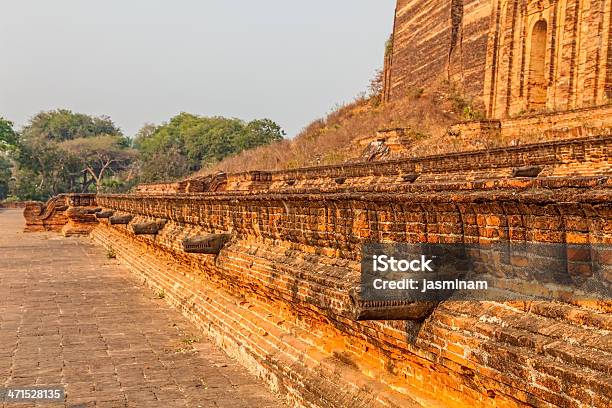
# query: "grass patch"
190,340
110,253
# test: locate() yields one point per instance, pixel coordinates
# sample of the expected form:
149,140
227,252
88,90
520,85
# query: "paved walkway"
70,316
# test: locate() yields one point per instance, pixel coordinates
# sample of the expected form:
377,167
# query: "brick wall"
436,39
158,188
13,204
584,156
517,56
575,123
557,158
573,55
277,296
587,156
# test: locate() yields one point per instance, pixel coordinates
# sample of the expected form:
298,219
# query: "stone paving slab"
72,316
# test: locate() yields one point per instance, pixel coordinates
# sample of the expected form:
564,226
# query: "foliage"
260,132
415,92
62,124
162,164
462,102
375,89
110,253
8,137
61,151
5,177
25,186
100,154
8,143
389,46
146,131
187,142
469,113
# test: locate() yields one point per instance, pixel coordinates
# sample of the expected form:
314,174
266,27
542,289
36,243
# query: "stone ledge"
575,157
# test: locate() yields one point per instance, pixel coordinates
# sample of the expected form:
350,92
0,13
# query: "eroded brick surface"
71,316
517,56
281,287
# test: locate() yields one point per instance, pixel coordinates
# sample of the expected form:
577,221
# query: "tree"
8,144
375,89
146,131
261,132
163,165
5,177
8,137
53,162
99,155
187,142
53,170
61,124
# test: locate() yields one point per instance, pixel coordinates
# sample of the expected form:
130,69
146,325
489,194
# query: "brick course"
558,158
294,255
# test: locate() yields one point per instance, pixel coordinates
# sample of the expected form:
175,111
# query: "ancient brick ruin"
273,289
267,263
516,56
438,37
70,214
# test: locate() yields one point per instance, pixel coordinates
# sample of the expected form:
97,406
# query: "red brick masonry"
276,296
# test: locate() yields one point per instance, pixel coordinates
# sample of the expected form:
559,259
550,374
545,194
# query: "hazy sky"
146,60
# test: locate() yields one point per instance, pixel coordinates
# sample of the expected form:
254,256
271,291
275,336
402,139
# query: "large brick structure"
267,263
516,56
278,295
434,38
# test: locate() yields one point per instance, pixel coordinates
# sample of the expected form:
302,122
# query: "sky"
141,61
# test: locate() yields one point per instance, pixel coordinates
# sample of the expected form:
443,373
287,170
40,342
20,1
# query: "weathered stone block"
527,171
145,228
121,219
208,244
105,214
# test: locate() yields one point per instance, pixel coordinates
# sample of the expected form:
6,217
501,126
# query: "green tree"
8,137
145,132
5,177
160,165
187,142
61,124
53,155
8,144
99,155
261,132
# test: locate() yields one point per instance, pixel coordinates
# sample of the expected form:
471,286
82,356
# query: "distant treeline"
61,151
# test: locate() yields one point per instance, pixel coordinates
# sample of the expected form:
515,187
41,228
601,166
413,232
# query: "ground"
72,316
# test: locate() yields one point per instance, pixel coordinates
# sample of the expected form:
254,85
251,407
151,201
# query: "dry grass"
342,135
331,140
